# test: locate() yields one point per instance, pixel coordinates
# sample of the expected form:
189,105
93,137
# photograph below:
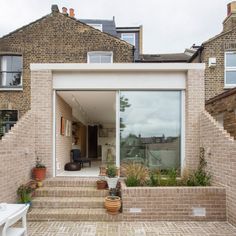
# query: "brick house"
218,53
55,38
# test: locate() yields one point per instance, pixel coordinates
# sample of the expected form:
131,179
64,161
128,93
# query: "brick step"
70,192
70,182
69,214
68,202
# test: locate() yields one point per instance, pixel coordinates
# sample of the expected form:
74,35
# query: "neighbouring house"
55,38
132,35
219,55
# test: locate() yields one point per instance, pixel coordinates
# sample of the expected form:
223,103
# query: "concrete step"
70,182
70,192
70,214
68,202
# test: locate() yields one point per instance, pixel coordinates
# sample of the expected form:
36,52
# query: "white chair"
12,231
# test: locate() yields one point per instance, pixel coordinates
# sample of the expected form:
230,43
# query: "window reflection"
150,128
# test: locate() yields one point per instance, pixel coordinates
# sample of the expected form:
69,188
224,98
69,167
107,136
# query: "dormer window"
100,57
129,38
230,69
10,71
96,26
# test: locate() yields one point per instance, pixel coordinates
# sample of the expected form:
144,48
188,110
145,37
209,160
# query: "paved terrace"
131,229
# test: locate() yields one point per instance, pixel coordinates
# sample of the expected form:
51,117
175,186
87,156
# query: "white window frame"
220,118
99,53
8,88
231,68
97,26
124,34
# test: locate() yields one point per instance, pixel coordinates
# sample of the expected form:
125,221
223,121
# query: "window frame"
12,87
228,69
99,53
9,122
128,33
97,26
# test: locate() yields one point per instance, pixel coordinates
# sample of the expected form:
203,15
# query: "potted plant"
24,194
39,171
113,202
112,177
101,183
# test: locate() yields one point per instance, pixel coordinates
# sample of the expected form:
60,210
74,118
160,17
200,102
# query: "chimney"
54,8
72,12
64,10
230,21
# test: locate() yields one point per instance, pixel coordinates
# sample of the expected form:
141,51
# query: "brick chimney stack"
64,10
72,12
230,21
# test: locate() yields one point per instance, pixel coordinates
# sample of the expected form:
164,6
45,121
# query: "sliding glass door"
150,128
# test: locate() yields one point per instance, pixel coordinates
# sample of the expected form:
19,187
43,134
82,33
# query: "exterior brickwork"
225,104
214,77
194,106
17,154
42,103
173,203
220,155
63,142
56,38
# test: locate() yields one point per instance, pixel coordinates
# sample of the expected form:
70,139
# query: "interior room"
85,130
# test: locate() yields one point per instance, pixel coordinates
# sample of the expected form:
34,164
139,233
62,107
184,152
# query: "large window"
128,37
150,128
100,57
230,69
7,119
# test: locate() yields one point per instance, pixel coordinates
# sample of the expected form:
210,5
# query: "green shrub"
132,181
111,171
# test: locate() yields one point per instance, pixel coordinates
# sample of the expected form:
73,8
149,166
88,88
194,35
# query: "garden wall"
17,155
173,203
220,154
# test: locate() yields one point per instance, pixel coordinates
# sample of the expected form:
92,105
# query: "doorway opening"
85,121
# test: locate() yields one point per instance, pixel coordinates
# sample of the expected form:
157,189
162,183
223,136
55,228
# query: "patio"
131,228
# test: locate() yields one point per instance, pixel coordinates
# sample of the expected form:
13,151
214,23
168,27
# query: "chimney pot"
72,12
231,8
64,10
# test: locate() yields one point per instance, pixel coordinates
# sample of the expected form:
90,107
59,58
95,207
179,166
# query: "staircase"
70,199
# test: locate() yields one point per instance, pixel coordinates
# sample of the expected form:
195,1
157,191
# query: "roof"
221,96
161,58
108,26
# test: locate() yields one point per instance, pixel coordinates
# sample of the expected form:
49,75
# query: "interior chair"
13,231
76,157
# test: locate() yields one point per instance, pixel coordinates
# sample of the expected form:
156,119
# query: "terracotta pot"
101,184
113,204
39,174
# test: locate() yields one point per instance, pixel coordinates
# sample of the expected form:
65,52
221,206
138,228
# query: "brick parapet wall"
42,106
17,154
193,108
173,203
220,154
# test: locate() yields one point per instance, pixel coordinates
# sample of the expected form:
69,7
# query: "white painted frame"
96,26
123,35
100,54
231,68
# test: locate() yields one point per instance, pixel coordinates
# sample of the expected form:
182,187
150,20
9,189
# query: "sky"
169,26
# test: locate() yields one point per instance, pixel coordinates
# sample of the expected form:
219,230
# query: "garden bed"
173,203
